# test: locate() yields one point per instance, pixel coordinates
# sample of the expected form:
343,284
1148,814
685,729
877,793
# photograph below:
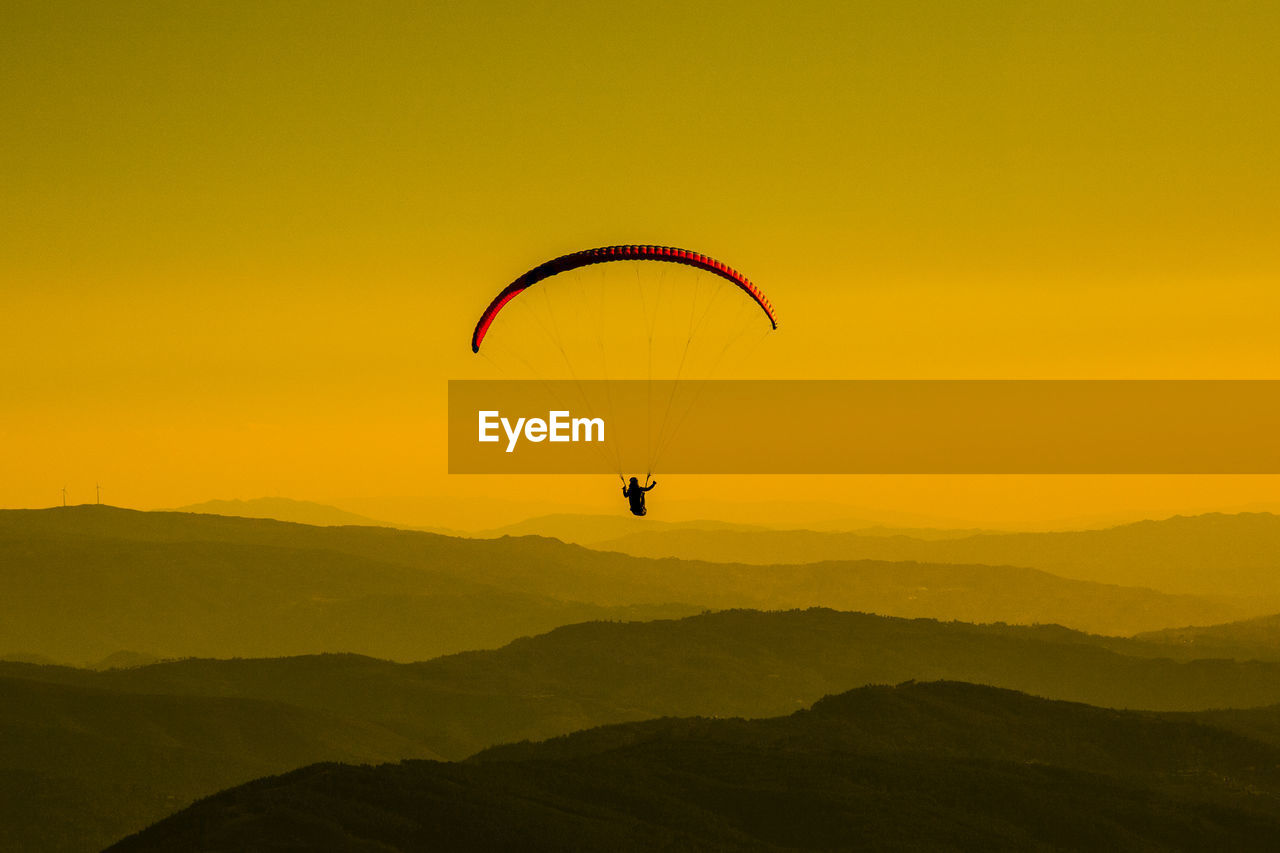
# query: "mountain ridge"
726,664
1210,553
85,582
876,767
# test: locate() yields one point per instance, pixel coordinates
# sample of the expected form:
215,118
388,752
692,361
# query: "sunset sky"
242,245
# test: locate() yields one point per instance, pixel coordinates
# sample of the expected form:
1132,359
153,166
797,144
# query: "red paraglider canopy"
574,260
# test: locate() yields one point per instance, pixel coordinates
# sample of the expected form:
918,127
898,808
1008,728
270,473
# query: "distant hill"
1214,554
1251,638
283,509
125,659
921,766
24,657
81,766
925,533
582,529
79,598
84,582
299,512
596,530
747,663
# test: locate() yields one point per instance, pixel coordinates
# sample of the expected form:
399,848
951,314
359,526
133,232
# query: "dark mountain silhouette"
743,663
81,766
1212,554
84,582
920,766
117,725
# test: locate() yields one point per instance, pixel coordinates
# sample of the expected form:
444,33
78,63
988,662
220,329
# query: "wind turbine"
98,486
64,494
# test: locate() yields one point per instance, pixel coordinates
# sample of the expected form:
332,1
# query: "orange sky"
242,245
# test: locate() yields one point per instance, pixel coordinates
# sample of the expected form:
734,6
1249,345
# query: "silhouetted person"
634,492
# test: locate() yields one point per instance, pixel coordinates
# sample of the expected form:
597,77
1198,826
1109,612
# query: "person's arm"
624,492
651,485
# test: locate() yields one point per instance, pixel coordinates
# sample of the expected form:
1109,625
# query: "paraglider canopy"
605,254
